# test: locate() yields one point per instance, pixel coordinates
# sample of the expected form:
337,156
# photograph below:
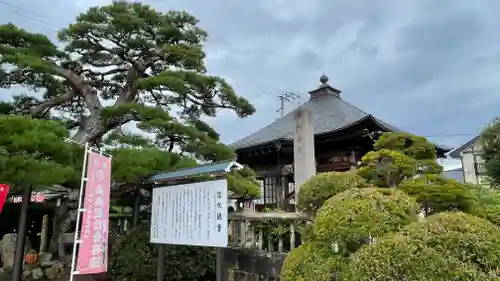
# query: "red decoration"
36,197
4,191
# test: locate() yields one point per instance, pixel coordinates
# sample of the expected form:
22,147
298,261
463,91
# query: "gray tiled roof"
456,152
330,112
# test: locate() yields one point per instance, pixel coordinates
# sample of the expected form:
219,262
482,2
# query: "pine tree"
142,62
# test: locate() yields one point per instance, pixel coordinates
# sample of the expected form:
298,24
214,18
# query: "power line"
46,23
13,9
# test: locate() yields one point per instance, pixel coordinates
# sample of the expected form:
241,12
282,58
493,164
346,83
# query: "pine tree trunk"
60,215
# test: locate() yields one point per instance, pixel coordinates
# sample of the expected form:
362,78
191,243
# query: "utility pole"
286,97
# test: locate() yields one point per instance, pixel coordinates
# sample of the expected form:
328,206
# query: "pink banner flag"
93,250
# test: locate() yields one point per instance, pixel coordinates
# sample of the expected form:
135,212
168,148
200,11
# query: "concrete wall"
469,156
251,265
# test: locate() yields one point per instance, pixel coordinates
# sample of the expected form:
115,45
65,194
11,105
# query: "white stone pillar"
303,149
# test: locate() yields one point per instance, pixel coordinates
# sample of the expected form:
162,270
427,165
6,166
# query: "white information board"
190,214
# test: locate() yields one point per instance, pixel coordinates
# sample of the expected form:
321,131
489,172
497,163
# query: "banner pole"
76,240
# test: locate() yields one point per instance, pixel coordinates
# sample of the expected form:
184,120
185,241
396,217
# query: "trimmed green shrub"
437,194
491,213
487,205
357,214
396,257
387,168
311,262
314,192
464,237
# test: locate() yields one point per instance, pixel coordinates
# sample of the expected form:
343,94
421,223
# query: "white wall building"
472,162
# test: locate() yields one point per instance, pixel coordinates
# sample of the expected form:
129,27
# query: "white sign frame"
190,214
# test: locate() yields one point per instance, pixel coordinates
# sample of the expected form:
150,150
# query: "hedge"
314,192
360,213
464,237
396,257
311,262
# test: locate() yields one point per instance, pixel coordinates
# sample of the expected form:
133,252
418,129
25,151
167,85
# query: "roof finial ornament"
323,79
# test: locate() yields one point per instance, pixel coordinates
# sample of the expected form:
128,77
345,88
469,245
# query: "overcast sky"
428,67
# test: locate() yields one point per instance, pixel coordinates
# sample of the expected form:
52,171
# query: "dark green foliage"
136,157
33,152
133,258
437,193
490,144
133,164
322,186
6,108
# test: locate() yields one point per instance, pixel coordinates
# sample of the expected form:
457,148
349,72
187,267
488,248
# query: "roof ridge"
353,106
270,124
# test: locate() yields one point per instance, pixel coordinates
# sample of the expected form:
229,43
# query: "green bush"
387,168
357,214
489,212
396,257
314,192
487,205
311,262
461,236
134,259
438,194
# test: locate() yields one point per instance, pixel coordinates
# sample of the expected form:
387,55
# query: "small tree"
33,155
387,168
416,147
399,156
490,150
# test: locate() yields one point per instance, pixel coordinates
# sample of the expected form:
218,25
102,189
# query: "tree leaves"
126,53
33,152
133,164
490,150
439,194
135,259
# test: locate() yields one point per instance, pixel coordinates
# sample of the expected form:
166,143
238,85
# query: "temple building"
343,134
